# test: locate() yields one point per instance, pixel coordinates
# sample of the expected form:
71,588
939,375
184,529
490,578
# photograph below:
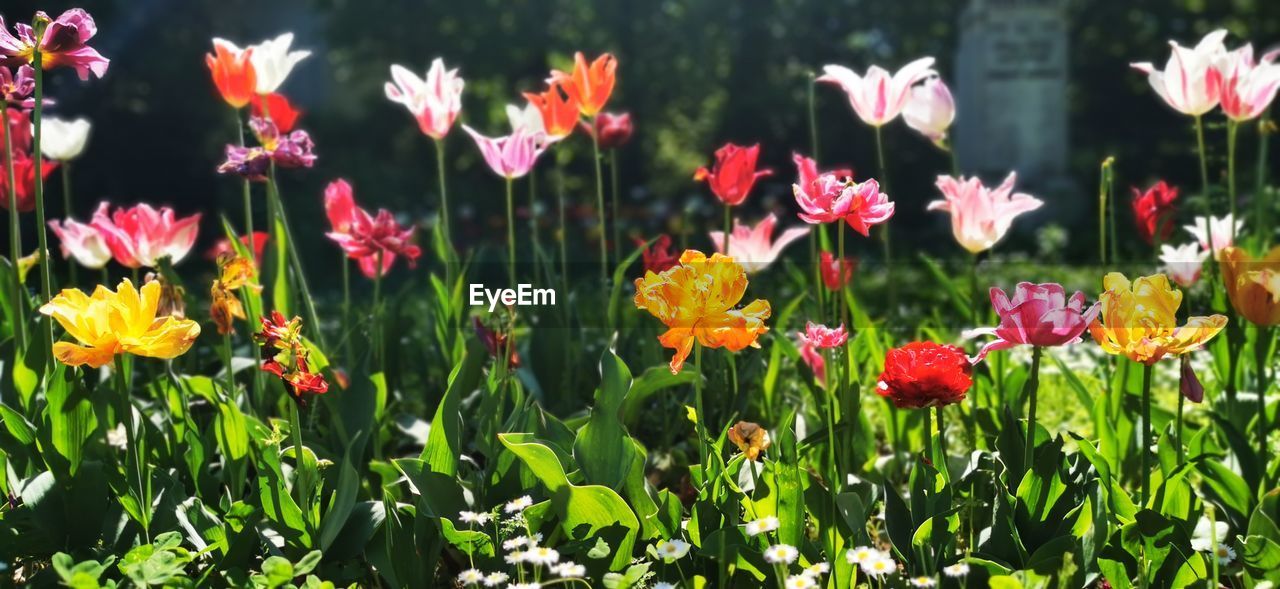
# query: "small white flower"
63,140
879,566
472,517
670,550
861,554
1225,554
470,577
781,554
1202,538
495,579
923,582
663,585
570,570
517,542
524,586
518,504
800,582
817,569
956,570
762,525
515,557
542,556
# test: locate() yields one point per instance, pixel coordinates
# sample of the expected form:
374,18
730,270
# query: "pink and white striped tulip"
1248,87
931,109
511,156
1183,263
754,247
434,102
1038,315
142,235
81,241
1221,231
981,216
1190,81
878,97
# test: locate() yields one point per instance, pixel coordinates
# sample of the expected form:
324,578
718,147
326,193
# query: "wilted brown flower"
750,438
173,298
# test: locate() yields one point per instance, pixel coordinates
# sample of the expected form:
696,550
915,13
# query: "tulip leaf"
444,441
70,417
602,447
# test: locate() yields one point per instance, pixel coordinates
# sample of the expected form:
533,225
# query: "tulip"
272,61
836,273
930,110
589,86
830,198
611,130
807,172
63,140
496,342
1038,315
254,244
924,374
733,174
17,85
434,102
275,108
1188,383
527,119
1183,263
1139,320
285,355
63,44
750,438
369,239
823,337
1190,81
695,300
24,171
557,109
878,97
980,216
1252,284
1153,211
142,235
1247,88
287,150
658,257
121,322
20,128
82,241
754,247
232,71
1218,230
511,156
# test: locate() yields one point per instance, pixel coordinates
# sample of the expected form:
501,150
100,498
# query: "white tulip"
272,62
63,140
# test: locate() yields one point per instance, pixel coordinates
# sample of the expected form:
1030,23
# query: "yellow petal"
74,355
167,337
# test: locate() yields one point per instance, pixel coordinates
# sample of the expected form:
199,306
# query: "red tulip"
611,130
659,257
367,238
734,173
1154,210
925,374
836,273
278,111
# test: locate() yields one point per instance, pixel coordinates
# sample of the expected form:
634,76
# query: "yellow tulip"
120,322
1253,285
696,300
1139,320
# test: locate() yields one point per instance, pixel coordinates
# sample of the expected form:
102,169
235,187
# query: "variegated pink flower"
981,216
141,235
879,96
367,237
754,247
1038,315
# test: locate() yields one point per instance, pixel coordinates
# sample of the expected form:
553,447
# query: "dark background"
694,74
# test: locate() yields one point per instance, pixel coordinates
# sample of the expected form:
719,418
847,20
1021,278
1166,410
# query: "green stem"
138,482
15,246
813,117
46,263
1033,383
617,227
1262,349
1178,429
1232,129
376,318
1262,204
251,301
295,261
1204,164
511,235
604,229
302,478
444,193
884,231
701,429
728,228
346,300
1145,450
563,237
231,377
66,211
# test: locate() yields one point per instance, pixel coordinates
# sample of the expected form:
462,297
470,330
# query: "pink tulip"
1247,89
754,247
1190,81
1218,230
142,235
511,156
878,97
366,238
1183,263
830,199
980,216
82,241
434,102
1039,315
931,109
63,44
807,171
818,337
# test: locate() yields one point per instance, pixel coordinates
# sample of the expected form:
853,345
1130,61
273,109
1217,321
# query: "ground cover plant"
733,406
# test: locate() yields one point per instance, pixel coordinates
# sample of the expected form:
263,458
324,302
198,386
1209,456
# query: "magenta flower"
366,237
1247,88
287,150
511,156
878,97
1038,315
819,337
807,171
830,199
433,102
981,216
64,43
82,241
17,85
142,235
754,247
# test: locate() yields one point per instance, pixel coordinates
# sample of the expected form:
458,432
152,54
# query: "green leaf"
69,414
444,441
602,447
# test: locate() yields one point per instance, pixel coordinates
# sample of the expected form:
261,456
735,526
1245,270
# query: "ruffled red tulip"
836,274
142,235
232,71
611,130
1153,210
285,354
367,238
734,173
278,110
24,171
63,44
658,257
925,374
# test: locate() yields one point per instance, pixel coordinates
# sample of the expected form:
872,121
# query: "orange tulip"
1253,285
232,71
696,301
589,86
559,110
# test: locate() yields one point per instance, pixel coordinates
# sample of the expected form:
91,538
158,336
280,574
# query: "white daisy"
1225,554
524,586
956,570
515,557
517,542
781,554
817,569
1205,533
495,579
518,504
476,518
923,582
879,566
470,577
570,570
670,550
542,556
800,582
762,525
861,554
